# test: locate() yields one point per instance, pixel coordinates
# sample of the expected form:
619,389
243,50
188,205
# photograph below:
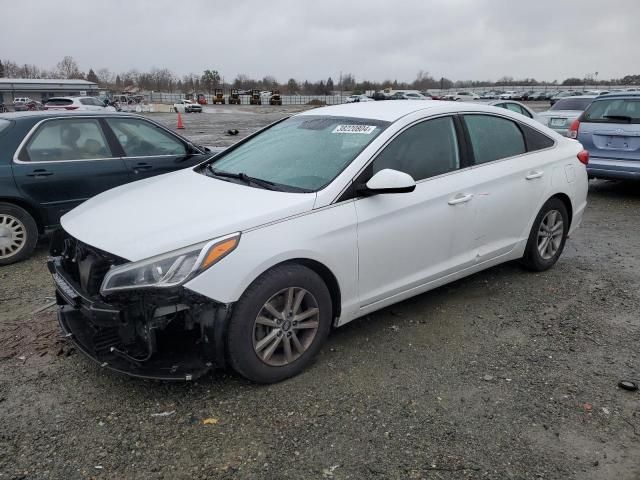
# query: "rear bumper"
182,344
614,168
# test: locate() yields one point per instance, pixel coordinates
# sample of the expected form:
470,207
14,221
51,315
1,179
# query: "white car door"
408,240
513,172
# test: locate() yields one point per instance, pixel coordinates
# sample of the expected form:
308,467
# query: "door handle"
142,166
534,174
460,198
39,172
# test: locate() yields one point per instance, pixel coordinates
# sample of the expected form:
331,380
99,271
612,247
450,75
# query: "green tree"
330,86
1,70
92,77
210,79
292,86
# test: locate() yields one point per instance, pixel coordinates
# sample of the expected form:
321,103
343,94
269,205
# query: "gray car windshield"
302,153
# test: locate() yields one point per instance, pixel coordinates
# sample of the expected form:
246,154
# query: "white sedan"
357,99
518,108
252,257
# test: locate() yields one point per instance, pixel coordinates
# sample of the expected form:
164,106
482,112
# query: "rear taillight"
573,129
70,108
583,156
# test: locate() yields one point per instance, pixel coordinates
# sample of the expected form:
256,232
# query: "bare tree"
68,68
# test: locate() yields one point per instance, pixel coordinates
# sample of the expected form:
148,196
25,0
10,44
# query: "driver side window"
142,139
425,150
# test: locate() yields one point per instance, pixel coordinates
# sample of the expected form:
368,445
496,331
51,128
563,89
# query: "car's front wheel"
18,233
279,324
548,236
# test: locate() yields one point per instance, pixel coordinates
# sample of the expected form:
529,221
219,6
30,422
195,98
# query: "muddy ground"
504,375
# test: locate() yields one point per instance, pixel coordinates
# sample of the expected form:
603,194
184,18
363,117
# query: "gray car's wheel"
548,236
18,233
279,324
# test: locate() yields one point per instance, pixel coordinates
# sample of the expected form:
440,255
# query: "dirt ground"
504,375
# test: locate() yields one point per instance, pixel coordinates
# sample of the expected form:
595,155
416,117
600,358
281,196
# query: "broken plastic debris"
163,414
99,467
628,385
210,421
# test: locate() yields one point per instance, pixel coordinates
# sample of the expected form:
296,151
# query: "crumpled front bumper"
183,343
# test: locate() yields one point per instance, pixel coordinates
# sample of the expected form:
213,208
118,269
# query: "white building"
42,88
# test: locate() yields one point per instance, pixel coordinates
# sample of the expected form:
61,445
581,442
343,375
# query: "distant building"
43,88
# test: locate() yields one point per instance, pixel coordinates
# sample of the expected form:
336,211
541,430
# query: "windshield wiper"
619,117
267,185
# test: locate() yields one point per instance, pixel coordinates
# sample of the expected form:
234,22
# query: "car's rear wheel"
548,236
18,233
279,324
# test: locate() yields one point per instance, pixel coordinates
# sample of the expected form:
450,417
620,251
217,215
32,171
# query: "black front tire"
240,350
533,259
30,235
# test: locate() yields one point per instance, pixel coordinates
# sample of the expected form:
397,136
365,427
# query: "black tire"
30,233
240,348
533,259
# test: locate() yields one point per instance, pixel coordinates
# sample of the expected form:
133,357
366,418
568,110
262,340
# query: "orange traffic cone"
180,124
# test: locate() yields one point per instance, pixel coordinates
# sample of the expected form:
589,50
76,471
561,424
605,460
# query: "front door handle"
460,198
39,172
142,166
534,174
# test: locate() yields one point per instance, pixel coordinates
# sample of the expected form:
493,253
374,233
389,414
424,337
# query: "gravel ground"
504,375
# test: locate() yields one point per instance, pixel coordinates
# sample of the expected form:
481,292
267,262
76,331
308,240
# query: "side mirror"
388,181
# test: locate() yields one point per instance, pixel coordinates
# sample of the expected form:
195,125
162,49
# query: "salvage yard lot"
505,374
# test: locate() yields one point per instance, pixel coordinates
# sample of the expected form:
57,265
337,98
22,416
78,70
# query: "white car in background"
415,96
357,99
77,104
463,96
187,106
21,100
254,255
518,108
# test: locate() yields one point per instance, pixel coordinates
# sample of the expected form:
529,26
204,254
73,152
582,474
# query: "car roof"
391,110
43,114
632,94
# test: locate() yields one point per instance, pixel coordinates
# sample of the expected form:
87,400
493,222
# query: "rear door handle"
142,166
39,172
534,174
460,198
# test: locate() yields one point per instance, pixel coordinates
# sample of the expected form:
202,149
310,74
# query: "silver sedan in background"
564,112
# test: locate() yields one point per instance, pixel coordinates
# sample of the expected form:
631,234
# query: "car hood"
160,214
561,113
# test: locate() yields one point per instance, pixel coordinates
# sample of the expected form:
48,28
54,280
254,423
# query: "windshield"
572,103
302,153
615,110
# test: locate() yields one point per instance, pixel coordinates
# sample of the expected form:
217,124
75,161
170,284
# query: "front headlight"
169,269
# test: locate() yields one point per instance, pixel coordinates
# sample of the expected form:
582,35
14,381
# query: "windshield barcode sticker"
364,129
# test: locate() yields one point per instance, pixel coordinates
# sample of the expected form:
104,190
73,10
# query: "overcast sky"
458,39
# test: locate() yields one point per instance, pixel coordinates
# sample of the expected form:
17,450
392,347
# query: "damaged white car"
252,257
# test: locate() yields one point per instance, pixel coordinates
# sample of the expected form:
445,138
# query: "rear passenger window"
72,139
493,138
535,140
425,150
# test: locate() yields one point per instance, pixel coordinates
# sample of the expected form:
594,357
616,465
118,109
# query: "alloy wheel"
550,234
286,326
13,235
